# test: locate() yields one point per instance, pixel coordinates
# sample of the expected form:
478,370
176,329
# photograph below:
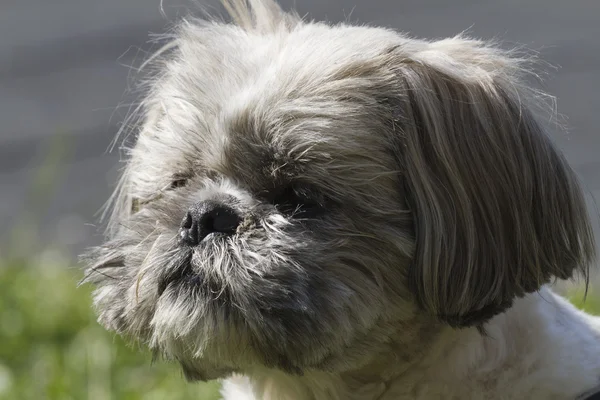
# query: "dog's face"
300,195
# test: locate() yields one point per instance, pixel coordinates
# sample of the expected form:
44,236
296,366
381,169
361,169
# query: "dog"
317,211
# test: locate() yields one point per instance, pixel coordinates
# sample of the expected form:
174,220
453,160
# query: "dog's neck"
542,348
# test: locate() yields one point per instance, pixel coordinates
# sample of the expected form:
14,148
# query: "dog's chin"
197,324
192,325
217,318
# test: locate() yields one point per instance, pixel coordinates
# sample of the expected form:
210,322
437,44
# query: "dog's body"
323,211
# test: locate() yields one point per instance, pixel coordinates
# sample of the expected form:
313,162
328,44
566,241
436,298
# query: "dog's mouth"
182,273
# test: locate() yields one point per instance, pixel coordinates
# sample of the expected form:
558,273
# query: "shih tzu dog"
342,212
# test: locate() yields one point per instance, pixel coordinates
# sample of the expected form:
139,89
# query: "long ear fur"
497,210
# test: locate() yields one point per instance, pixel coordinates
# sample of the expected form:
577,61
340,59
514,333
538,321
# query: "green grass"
589,303
52,348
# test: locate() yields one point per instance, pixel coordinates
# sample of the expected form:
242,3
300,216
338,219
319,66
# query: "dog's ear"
497,210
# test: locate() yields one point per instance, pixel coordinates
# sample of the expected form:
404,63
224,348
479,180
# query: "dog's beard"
269,296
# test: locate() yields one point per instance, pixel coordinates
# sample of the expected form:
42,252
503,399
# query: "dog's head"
299,194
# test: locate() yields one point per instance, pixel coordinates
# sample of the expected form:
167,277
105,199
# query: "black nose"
206,217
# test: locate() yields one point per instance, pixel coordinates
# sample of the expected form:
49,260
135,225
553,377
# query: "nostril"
188,231
225,221
187,222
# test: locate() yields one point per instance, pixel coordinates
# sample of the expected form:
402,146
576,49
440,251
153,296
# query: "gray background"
64,75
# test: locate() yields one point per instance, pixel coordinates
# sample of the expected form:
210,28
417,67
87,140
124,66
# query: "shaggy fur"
402,209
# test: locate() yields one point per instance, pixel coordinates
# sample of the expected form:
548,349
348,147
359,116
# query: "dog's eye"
299,203
178,181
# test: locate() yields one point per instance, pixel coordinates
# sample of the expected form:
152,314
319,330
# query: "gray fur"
441,198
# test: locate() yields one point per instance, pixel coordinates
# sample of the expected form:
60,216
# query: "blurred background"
65,70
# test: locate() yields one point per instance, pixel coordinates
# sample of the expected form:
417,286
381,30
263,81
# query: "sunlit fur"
444,209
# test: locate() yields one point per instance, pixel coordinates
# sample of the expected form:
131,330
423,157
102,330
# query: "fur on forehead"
214,76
